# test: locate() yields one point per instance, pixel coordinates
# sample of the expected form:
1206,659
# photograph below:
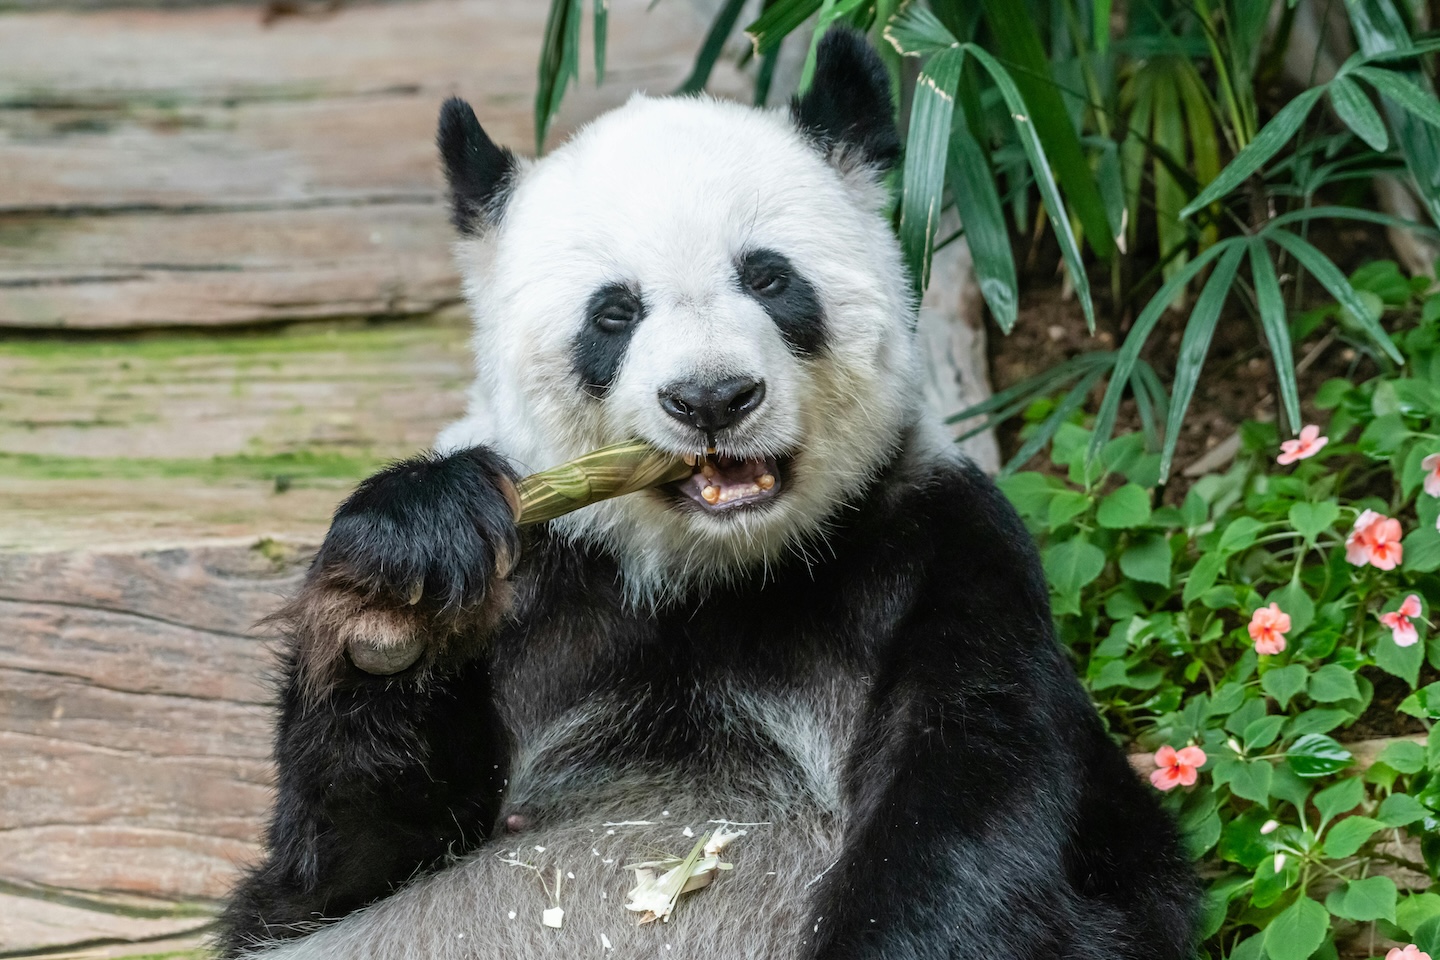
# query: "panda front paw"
413,570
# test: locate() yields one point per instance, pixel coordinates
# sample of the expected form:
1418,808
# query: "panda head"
706,277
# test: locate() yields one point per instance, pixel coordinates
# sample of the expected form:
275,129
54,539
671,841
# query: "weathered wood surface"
200,167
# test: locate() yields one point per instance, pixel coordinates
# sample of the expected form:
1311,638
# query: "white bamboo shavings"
659,884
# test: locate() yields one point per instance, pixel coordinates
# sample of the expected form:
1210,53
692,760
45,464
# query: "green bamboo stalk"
611,471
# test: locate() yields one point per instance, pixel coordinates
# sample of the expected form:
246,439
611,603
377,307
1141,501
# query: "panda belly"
588,810
490,903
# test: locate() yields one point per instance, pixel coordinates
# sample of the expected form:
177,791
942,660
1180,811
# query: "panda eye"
764,273
766,281
615,308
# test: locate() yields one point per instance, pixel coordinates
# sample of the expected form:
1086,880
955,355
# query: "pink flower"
1431,465
1177,767
1399,622
1309,444
1410,952
1267,629
1375,539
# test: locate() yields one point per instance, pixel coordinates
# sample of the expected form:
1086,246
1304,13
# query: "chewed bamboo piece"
611,471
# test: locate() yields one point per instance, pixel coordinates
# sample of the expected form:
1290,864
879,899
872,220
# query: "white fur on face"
665,195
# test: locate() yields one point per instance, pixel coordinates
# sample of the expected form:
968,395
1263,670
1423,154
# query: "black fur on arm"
384,776
988,812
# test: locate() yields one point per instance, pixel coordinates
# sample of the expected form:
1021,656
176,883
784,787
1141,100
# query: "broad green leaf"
1334,281
1312,519
1202,577
1398,661
986,233
1332,683
1421,548
1035,153
1293,600
1283,683
1018,42
1129,353
778,21
1125,508
1340,798
1316,755
1427,935
1407,756
1065,506
1349,835
1072,564
1274,135
1271,303
1297,931
1259,734
926,151
1240,534
1199,330
1030,492
1248,779
720,29
1401,810
1416,909
1317,721
1370,899
1423,703
1357,112
1147,559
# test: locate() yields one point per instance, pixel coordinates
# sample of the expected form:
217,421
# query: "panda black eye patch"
599,348
771,280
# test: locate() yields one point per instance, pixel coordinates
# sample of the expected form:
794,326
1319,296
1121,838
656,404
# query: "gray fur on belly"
485,908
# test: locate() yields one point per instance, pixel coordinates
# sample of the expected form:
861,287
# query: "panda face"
719,281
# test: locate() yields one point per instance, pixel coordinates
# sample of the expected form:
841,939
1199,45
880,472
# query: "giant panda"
832,641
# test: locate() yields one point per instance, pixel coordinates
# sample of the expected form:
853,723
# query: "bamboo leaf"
1277,330
1357,112
1199,330
986,232
778,21
1169,196
1390,84
915,31
1019,42
1047,429
1266,144
1040,166
1349,213
720,29
1334,281
1100,27
1129,353
559,64
602,33
926,151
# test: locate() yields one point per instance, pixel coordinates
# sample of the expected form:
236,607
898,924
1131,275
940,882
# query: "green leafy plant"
1111,134
1256,621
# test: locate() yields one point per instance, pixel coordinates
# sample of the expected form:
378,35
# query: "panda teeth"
711,493
765,481
690,459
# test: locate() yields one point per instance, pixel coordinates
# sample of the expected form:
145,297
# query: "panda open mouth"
722,483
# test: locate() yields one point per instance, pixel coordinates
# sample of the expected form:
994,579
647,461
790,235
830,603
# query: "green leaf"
778,21
1340,798
1129,353
1271,303
1370,899
1334,281
1035,154
926,151
1261,733
559,63
1349,835
1312,519
1332,683
1240,534
1317,721
1401,809
916,31
1018,41
1248,779
1202,577
1199,330
1030,492
1072,564
1357,112
1297,931
1283,683
1407,756
1421,548
1274,135
1416,909
602,31
1293,600
1125,508
1398,661
1415,101
986,233
1316,755
1147,559
720,29
1065,506
1423,703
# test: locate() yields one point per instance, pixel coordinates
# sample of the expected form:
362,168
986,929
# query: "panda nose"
711,407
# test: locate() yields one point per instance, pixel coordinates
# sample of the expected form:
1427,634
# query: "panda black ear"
848,103
480,174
